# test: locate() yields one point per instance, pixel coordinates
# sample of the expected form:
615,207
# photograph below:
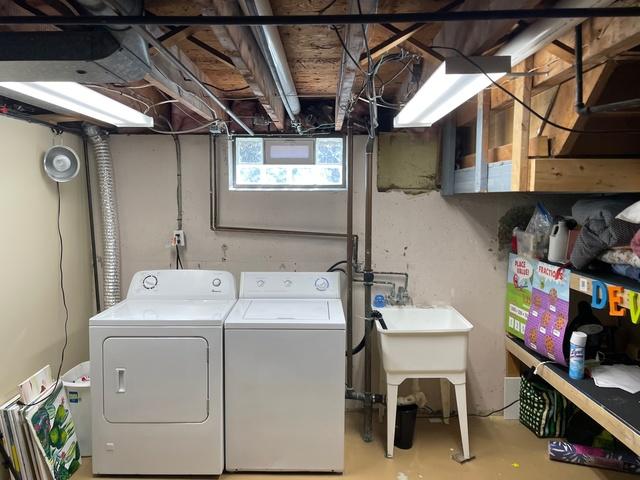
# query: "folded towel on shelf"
597,236
624,256
628,271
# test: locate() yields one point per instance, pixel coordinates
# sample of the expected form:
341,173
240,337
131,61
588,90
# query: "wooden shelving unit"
503,147
614,409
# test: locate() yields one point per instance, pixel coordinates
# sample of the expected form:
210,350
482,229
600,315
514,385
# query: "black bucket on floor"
405,426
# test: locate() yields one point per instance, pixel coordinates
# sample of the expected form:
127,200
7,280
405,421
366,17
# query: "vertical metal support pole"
92,227
448,164
481,183
367,433
350,265
578,68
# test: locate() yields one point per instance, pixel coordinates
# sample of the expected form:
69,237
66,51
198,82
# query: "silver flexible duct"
109,210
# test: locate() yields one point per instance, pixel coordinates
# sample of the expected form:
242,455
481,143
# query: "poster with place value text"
519,284
549,312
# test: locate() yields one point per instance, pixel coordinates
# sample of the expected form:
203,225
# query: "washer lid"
293,314
145,312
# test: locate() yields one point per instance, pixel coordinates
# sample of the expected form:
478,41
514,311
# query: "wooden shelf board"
600,175
610,407
583,282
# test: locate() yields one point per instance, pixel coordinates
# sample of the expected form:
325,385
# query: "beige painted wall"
31,323
447,245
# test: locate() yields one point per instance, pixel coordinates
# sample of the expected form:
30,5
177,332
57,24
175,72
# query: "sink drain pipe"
368,398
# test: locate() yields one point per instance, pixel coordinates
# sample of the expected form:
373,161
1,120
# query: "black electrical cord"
326,7
344,47
485,415
335,265
533,112
224,90
178,259
64,303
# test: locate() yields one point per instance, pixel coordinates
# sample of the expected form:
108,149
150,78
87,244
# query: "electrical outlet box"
178,239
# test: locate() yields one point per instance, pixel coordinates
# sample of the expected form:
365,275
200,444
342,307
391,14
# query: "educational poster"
549,312
51,425
519,284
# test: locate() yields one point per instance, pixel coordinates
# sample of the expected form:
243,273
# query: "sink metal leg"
445,395
461,400
392,402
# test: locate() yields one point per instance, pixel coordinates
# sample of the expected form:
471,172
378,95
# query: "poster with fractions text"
549,312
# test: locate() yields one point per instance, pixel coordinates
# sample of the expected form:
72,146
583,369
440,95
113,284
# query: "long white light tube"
74,97
443,93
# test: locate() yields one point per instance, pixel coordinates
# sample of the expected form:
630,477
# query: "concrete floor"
504,449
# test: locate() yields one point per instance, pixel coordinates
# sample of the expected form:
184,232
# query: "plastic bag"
540,227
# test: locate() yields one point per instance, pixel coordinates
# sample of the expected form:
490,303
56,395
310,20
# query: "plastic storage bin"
79,394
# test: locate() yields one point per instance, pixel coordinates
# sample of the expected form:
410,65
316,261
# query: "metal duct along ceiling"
99,55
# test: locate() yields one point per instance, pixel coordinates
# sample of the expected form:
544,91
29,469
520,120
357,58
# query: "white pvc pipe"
276,51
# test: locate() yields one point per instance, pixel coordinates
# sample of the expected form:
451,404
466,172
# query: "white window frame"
267,140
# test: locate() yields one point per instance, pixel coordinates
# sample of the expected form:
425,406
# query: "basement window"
275,163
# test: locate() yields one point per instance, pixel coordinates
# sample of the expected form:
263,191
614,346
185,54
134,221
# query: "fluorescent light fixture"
76,98
440,95
443,93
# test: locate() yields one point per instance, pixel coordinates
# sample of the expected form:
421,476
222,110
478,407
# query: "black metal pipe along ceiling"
421,17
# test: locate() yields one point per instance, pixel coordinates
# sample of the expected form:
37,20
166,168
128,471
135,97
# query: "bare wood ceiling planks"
242,48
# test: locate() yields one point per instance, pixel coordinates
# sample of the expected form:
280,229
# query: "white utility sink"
423,339
430,342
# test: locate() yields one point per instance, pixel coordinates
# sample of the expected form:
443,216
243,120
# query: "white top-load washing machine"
156,375
285,374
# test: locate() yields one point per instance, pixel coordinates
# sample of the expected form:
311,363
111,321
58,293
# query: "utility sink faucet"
399,297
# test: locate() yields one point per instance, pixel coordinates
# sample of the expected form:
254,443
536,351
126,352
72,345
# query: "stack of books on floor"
38,432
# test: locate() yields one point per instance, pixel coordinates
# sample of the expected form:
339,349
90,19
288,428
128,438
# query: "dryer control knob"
260,283
149,282
322,284
288,283
216,282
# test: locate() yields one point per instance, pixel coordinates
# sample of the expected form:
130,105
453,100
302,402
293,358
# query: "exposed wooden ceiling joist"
176,35
244,52
430,52
391,43
355,42
217,54
605,38
562,51
166,78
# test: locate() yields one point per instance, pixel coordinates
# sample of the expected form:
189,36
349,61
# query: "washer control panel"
290,285
188,284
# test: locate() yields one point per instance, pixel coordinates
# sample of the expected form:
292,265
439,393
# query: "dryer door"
155,379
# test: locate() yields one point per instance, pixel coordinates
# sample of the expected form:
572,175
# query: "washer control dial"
150,282
260,283
288,283
322,284
216,282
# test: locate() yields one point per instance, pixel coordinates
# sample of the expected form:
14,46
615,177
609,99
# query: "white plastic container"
424,339
79,395
558,242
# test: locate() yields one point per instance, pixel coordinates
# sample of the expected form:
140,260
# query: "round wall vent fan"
61,164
